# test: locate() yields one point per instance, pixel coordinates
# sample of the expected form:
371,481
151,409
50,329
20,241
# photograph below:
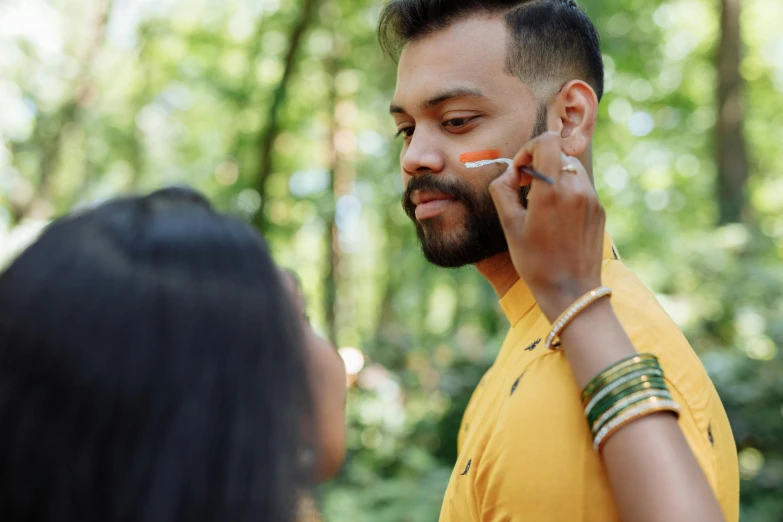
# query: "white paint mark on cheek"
484,163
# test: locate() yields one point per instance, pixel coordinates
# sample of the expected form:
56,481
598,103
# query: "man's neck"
500,272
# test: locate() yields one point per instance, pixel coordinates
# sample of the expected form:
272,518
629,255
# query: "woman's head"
152,368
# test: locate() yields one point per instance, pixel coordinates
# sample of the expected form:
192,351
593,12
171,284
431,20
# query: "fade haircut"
549,40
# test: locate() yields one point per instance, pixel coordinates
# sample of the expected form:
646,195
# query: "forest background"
277,110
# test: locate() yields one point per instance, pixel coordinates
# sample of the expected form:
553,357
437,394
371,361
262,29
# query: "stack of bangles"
629,389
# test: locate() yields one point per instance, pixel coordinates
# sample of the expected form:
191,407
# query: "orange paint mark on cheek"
479,155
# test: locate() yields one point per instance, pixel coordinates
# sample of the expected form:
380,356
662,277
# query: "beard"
481,234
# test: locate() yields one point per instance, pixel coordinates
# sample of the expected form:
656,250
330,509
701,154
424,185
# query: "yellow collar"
519,300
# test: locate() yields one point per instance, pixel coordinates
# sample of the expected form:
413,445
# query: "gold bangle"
575,309
628,364
630,414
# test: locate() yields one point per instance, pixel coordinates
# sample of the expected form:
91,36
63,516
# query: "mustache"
436,183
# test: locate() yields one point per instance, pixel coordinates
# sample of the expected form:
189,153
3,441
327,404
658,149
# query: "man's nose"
422,155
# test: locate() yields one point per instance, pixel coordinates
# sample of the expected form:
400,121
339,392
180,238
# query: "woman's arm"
556,246
653,473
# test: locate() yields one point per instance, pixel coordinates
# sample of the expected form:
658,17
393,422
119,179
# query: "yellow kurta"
525,450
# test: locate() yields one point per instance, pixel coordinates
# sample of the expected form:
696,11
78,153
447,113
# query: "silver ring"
569,168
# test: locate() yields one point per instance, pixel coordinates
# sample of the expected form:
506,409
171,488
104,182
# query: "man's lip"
432,208
419,197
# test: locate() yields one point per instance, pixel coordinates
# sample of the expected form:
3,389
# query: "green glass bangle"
619,365
627,404
605,406
643,360
644,368
621,381
643,381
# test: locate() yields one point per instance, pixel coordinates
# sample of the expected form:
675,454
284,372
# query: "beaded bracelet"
574,310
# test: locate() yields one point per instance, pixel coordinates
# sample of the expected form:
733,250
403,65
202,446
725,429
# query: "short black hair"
549,39
152,369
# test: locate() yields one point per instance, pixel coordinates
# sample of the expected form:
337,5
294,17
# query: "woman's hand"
556,244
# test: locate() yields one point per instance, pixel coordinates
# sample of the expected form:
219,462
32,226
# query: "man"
525,78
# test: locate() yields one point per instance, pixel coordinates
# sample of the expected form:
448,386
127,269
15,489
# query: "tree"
271,129
730,149
250,101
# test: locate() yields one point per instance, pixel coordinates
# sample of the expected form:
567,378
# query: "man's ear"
572,113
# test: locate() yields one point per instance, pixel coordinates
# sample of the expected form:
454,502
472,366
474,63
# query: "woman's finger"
505,195
543,153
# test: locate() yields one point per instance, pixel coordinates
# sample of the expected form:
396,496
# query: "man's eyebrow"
457,92
440,97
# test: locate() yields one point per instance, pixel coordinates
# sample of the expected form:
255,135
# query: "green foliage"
182,92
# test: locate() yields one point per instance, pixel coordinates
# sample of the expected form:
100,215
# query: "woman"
154,366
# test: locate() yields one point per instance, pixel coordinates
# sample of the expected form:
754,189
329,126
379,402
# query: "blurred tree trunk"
49,130
731,153
137,152
342,171
271,128
332,239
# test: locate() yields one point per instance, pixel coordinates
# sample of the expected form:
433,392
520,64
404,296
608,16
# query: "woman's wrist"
594,340
557,298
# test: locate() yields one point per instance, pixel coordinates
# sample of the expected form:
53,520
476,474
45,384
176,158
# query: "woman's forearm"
654,475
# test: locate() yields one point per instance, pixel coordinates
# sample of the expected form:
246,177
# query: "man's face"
453,95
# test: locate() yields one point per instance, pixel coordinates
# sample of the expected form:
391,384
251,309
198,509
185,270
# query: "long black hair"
151,370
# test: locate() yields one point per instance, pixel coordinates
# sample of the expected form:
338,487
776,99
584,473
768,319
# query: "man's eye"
406,132
457,122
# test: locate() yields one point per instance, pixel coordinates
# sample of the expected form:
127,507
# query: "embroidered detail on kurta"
516,383
533,346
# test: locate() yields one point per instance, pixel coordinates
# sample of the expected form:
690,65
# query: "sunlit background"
277,110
